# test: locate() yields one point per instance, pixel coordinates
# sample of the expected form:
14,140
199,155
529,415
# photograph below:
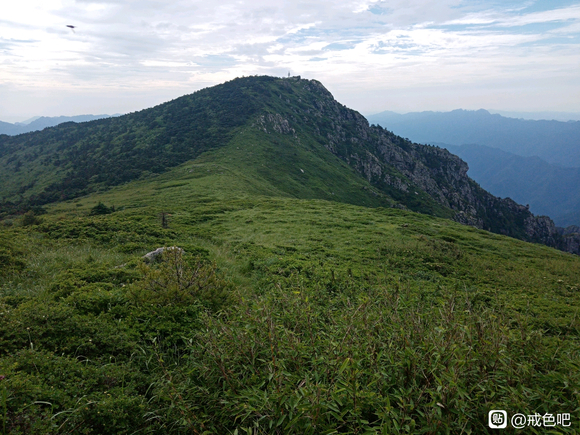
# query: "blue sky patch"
541,6
338,46
553,41
379,10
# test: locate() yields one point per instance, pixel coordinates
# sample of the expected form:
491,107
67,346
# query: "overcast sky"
400,55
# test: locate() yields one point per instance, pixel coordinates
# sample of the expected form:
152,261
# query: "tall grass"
327,318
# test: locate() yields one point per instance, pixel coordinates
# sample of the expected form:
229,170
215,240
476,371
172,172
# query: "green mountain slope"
72,160
284,315
304,300
291,132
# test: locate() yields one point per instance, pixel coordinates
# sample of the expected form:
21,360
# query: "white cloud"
564,14
358,47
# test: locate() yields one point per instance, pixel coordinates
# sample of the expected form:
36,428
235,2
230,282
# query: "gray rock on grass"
152,256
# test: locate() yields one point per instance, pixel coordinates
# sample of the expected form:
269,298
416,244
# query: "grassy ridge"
300,119
284,137
303,315
71,159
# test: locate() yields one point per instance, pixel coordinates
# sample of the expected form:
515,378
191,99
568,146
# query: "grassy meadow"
283,315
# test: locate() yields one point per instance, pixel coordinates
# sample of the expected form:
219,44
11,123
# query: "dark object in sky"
71,27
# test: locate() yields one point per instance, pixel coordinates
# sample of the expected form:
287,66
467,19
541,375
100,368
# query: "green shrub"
52,394
29,218
101,208
179,279
11,258
379,362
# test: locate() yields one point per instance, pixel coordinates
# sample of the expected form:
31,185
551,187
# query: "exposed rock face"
570,241
404,169
542,229
274,122
569,231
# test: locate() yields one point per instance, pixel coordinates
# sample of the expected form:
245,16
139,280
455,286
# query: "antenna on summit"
288,74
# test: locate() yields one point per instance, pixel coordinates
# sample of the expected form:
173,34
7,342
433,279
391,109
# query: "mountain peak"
290,133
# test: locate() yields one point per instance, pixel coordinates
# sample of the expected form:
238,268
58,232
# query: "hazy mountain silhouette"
555,142
41,122
548,189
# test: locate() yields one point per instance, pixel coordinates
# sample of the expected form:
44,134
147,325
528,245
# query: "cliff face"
408,171
570,239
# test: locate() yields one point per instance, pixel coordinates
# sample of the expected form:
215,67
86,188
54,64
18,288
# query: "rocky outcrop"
570,238
404,169
569,231
155,255
274,122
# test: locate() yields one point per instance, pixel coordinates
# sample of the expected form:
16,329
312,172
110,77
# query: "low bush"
29,218
11,258
181,279
101,208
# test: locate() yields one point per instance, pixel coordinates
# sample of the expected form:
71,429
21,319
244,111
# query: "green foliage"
50,393
101,208
383,361
71,358
29,218
126,235
320,318
282,315
175,280
11,258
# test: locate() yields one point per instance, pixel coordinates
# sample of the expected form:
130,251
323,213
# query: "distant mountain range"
41,122
540,116
548,189
555,142
532,162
